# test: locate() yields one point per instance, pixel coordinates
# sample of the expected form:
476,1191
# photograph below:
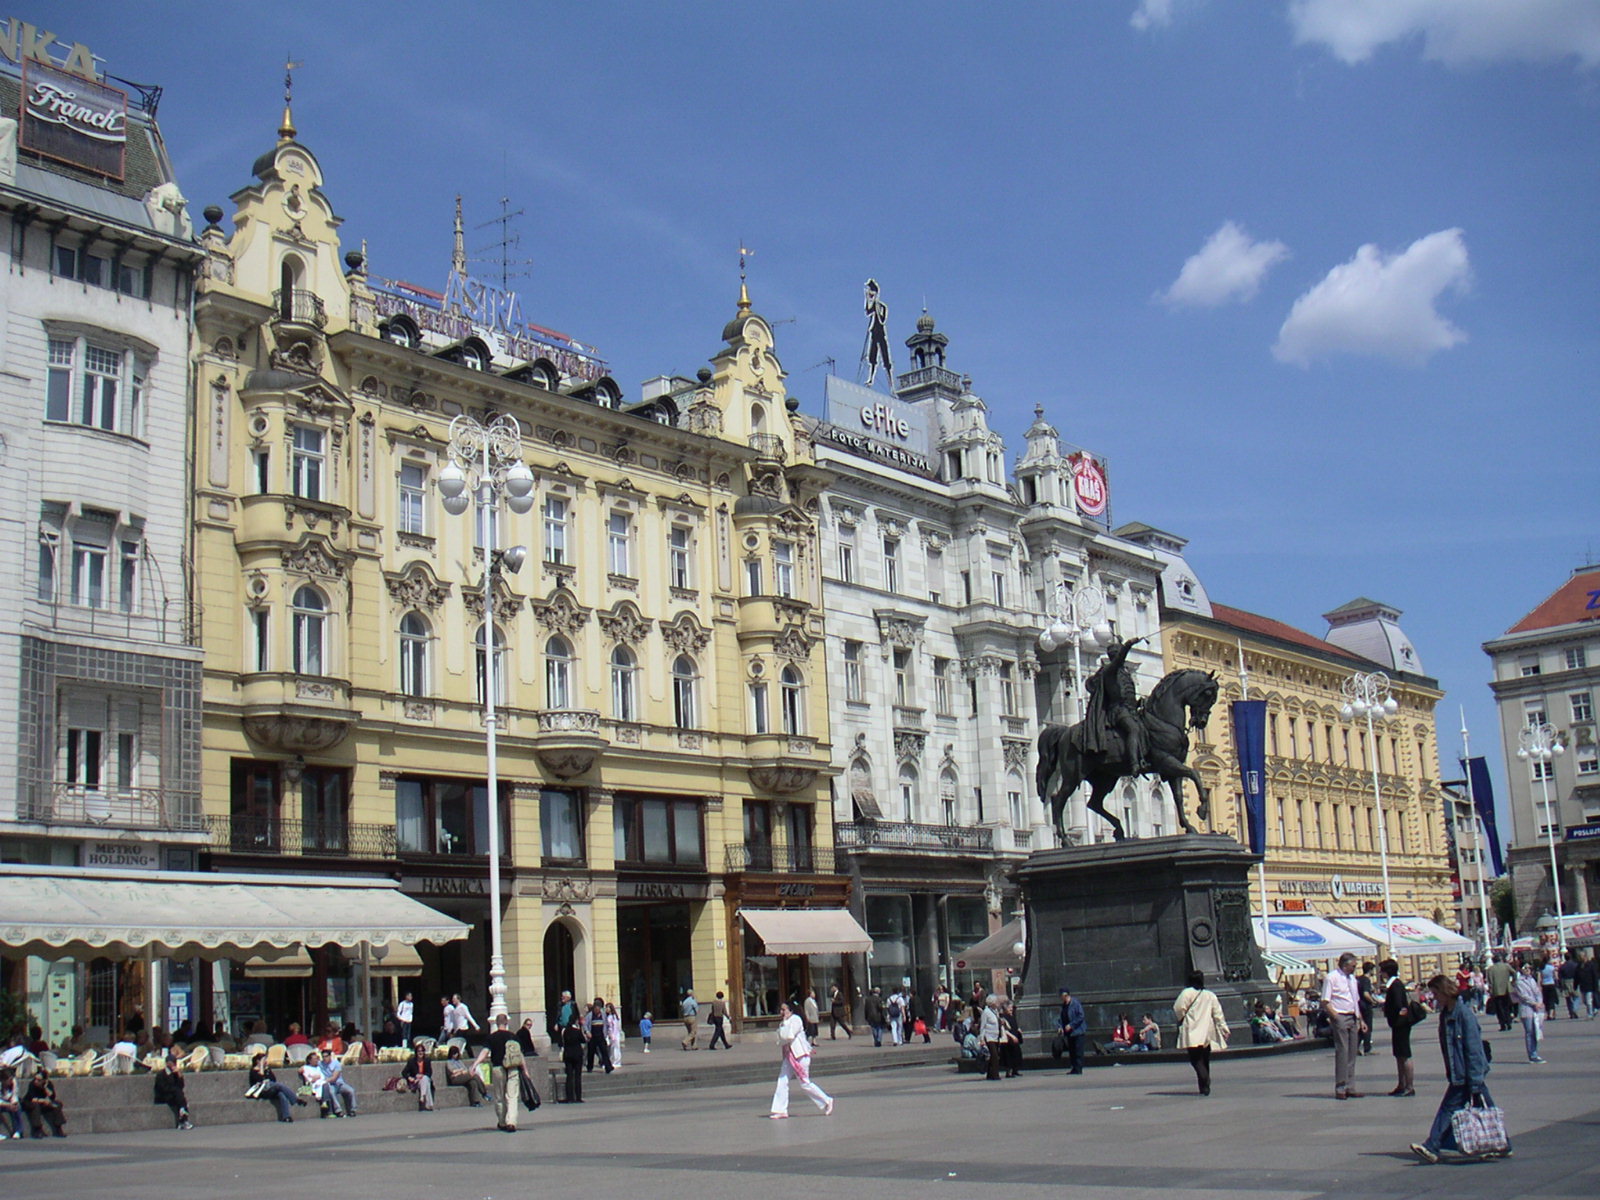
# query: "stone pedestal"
1123,924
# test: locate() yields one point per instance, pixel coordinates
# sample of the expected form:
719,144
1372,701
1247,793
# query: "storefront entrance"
655,959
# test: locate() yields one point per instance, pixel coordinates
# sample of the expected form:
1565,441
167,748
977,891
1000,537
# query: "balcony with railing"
114,808
568,740
299,306
295,839
765,858
768,447
909,835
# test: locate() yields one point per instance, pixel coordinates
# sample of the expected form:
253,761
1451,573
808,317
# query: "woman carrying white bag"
1467,1120
795,1064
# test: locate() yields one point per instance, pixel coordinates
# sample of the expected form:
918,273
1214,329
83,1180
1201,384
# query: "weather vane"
744,293
286,130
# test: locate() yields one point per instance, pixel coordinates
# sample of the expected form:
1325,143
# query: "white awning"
995,952
1412,935
1310,937
1287,963
86,912
807,930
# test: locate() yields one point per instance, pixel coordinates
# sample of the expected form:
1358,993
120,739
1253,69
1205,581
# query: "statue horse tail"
1049,756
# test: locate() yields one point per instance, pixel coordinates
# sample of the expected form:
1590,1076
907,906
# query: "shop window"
560,826
658,831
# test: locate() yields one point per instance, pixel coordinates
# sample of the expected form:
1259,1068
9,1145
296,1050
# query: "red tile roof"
1249,622
1578,599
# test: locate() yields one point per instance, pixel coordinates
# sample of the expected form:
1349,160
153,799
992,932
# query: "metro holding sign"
1089,485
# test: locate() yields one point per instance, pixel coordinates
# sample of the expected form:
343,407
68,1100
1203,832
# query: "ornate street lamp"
1079,618
1542,744
1367,697
486,465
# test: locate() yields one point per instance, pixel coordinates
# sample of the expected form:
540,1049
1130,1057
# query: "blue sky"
1377,375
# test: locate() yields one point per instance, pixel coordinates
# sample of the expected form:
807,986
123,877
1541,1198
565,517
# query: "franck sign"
73,120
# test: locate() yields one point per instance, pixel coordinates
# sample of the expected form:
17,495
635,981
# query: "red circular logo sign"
1089,485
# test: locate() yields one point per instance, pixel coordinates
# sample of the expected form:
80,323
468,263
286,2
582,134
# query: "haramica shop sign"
74,120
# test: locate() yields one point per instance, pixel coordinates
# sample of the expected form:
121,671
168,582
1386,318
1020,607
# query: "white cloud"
1455,32
1228,267
1380,306
1152,14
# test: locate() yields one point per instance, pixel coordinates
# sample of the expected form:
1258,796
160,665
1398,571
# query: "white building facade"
937,581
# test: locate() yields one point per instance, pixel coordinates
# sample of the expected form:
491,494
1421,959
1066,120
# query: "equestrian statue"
1121,737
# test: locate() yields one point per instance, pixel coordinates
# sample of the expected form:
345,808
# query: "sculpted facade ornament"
935,539
784,780
1029,663
1016,753
901,630
506,603
908,744
624,624
416,587
793,645
560,613
313,557
684,635
846,517
892,528
570,889
981,664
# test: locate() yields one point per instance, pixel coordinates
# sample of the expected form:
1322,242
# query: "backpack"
513,1059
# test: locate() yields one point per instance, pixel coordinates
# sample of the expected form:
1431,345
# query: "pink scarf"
800,1066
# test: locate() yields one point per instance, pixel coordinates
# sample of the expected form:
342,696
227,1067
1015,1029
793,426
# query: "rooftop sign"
877,426
23,43
73,120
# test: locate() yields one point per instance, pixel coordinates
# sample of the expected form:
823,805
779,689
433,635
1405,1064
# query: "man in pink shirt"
1341,1001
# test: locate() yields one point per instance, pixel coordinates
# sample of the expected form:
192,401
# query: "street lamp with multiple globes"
1542,744
1367,697
486,464
1079,618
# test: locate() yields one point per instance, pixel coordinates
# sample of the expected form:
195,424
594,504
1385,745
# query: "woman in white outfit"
613,1030
795,1064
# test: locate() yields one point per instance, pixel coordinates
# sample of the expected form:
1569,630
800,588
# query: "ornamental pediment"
560,613
316,558
624,623
685,634
416,587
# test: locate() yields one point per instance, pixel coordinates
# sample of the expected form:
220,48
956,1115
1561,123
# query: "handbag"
529,1093
1058,1047
1480,1128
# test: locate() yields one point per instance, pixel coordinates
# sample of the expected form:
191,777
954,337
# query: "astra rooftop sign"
21,43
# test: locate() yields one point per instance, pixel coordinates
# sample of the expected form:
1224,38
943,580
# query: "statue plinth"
1123,923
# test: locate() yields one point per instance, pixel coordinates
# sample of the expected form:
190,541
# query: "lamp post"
1542,744
1079,617
486,464
1367,697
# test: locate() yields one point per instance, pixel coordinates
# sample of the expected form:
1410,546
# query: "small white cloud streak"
1152,14
1380,306
1454,32
1230,266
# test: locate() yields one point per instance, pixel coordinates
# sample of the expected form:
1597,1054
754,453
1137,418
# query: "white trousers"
780,1095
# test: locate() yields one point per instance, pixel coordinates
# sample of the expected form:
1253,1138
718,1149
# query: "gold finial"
744,292
286,131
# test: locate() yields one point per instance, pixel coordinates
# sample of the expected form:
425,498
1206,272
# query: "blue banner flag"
1250,740
1483,800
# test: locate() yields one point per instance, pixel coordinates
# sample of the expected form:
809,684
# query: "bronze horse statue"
1180,702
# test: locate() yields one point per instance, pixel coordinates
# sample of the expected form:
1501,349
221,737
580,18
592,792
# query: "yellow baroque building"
1322,828
663,754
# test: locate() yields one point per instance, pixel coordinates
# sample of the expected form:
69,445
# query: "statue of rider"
1114,705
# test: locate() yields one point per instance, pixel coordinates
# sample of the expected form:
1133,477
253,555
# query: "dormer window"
473,357
401,332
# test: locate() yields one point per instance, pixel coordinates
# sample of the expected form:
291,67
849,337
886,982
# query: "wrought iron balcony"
762,858
274,835
908,835
300,306
114,808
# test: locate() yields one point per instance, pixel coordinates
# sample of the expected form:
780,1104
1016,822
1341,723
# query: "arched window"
908,793
948,791
758,418
685,685
499,665
414,636
624,685
289,277
310,632
794,701
558,673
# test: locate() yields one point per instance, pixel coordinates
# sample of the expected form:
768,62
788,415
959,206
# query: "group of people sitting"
34,1107
1125,1038
1268,1027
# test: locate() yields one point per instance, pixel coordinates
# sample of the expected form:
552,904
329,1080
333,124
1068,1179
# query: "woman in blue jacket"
1466,1067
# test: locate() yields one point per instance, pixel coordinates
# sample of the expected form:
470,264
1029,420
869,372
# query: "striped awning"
1286,962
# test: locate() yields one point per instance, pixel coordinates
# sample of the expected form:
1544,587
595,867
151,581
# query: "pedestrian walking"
794,1049
719,1023
872,1013
897,1017
1341,1004
689,1010
564,1011
1466,1070
613,1031
1500,978
1530,1008
1074,1028
1589,983
594,1031
1201,1027
405,1013
571,1039
1401,1012
647,1026
1549,987
838,1014
505,1071
1368,1005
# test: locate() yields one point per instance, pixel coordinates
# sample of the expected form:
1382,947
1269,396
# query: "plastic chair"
87,1063
277,1053
460,1043
117,1062
198,1059
352,1054
217,1057
427,1043
298,1053
49,1060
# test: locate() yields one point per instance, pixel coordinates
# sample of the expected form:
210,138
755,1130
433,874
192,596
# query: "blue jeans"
1530,1036
1456,1097
281,1097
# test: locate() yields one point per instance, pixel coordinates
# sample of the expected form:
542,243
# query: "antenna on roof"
508,241
830,363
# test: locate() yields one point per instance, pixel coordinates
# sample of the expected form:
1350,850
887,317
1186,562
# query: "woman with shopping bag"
795,1051
1467,1120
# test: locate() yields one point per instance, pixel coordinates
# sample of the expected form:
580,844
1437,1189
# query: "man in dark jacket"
1465,1064
872,1010
1589,983
1073,1028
